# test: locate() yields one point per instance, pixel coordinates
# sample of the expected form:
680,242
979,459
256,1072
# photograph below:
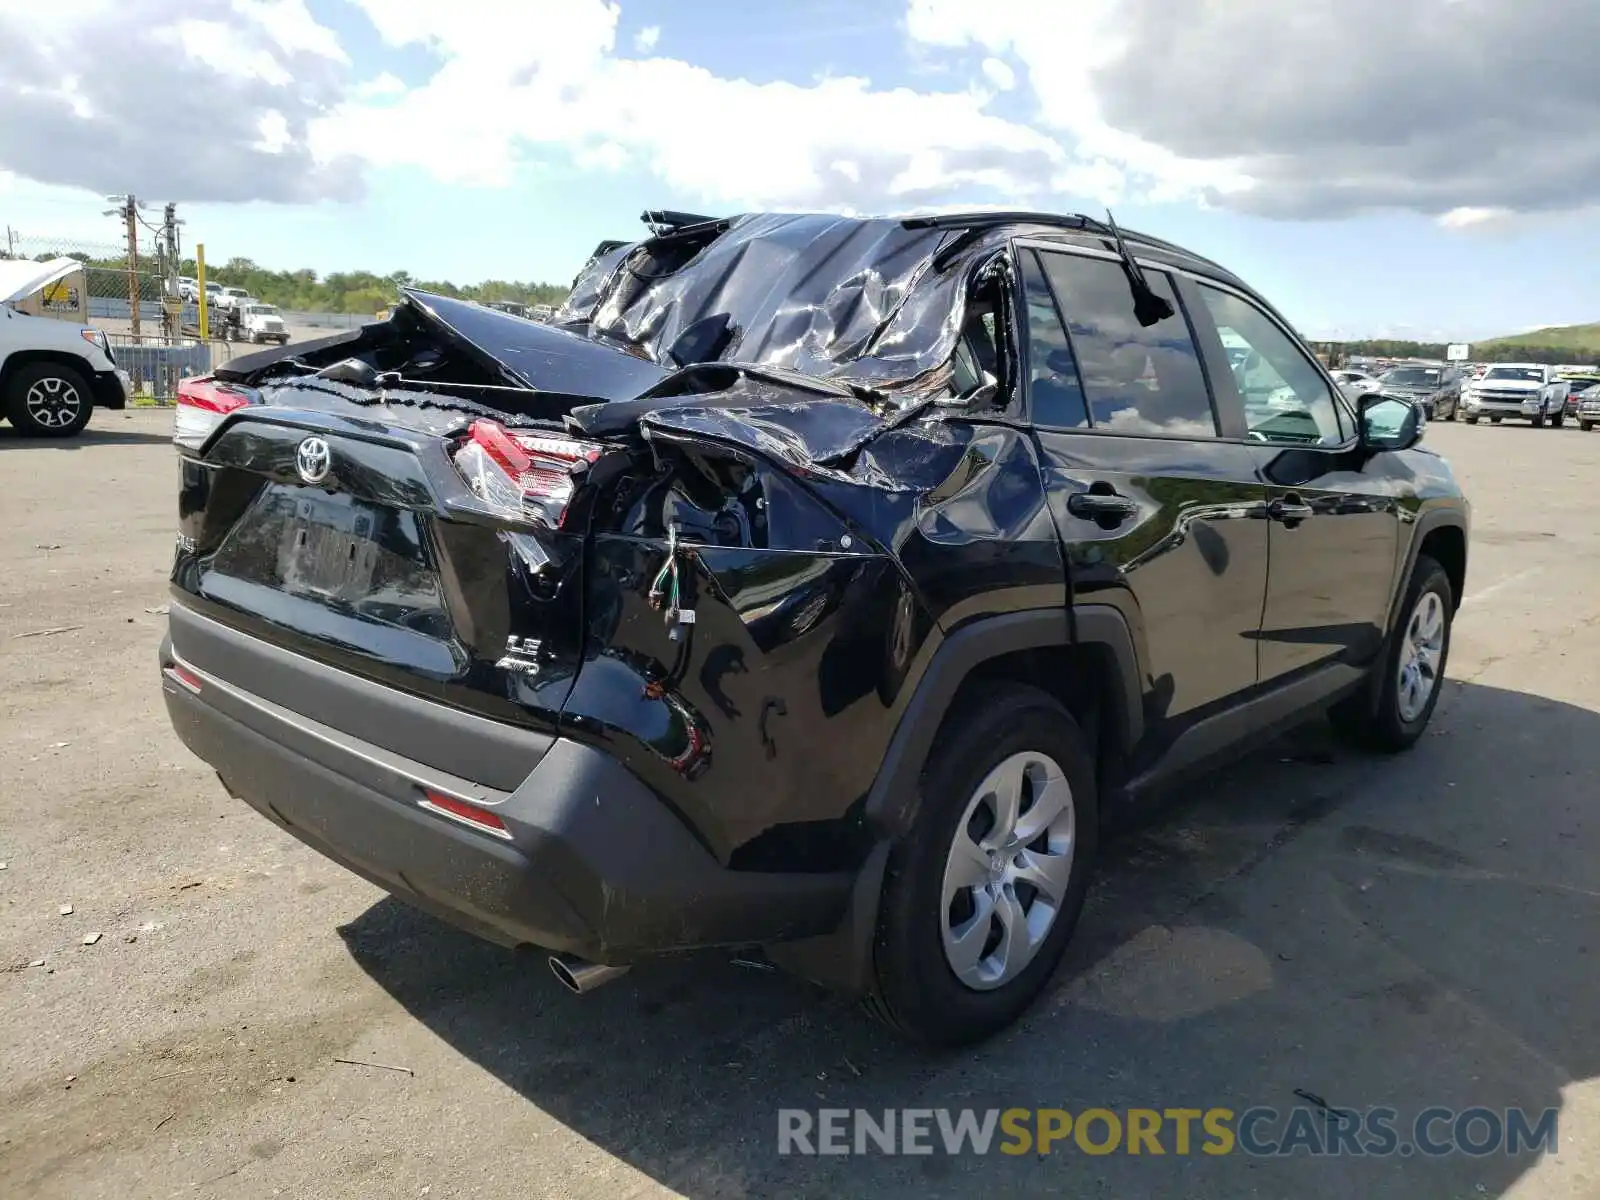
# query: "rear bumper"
596,864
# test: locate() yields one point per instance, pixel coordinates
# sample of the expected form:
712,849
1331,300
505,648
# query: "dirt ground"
1406,932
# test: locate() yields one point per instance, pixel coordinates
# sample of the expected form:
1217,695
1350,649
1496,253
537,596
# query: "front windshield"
1411,376
262,310
1521,374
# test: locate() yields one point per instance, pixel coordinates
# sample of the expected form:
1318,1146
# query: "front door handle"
1290,511
1105,508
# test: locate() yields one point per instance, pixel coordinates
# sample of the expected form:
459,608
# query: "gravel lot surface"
1406,932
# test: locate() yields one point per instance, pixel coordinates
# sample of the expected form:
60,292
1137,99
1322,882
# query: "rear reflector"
202,404
183,677
524,473
467,814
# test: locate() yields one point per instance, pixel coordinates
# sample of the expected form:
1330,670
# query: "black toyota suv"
807,583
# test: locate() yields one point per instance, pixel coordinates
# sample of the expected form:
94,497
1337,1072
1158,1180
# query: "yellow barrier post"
200,289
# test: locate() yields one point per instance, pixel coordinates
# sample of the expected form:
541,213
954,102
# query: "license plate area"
334,558
328,551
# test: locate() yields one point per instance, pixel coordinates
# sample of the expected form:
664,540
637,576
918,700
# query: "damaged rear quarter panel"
766,722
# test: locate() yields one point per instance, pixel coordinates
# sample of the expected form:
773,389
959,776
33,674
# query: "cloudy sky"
1425,168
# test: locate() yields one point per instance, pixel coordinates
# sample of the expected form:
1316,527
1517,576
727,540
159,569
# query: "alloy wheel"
1006,874
1421,656
53,402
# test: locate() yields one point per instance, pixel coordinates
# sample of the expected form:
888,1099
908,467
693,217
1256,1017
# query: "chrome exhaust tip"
580,977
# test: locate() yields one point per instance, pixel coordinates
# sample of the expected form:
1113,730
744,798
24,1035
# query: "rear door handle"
1106,508
1290,510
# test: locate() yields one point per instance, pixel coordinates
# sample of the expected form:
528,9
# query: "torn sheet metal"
846,298
822,439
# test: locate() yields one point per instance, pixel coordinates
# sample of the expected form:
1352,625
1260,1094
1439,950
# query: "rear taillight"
527,474
202,403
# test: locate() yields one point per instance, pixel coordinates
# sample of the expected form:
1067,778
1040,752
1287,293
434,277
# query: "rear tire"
47,399
1400,714
944,879
1471,420
1557,420
1495,420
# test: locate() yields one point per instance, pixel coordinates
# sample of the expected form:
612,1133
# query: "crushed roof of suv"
875,300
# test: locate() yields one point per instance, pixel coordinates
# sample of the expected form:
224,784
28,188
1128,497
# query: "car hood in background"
20,278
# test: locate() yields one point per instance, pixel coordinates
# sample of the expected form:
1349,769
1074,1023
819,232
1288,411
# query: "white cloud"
89,92
1468,217
384,84
1048,105
552,81
998,72
1461,107
275,137
291,27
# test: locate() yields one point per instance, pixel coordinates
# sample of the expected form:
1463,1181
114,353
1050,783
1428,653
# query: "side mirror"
1388,423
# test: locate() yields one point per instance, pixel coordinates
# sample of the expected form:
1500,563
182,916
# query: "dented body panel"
791,524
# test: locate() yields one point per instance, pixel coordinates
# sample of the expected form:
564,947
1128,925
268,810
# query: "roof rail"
1073,221
662,220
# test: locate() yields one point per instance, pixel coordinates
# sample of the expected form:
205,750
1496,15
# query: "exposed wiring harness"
666,590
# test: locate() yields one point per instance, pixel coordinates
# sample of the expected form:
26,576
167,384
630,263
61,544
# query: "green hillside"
1583,340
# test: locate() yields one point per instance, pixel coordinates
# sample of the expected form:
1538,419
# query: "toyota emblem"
313,460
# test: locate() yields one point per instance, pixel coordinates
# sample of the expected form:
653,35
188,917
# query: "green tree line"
1483,352
306,291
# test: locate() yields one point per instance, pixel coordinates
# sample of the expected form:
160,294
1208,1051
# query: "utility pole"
130,216
11,242
171,303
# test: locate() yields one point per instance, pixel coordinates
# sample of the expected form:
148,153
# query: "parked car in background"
1436,389
1577,383
1589,407
1526,391
232,298
187,288
262,323
53,373
1356,383
830,621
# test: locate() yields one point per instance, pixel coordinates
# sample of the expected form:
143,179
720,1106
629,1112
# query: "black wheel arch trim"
1438,518
891,802
1428,522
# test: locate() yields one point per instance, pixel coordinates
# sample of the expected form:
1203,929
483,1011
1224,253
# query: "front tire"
1538,421
1495,420
1557,420
1472,420
982,895
48,400
1586,426
1409,673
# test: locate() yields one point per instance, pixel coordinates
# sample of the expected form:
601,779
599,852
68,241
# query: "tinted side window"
1285,397
1136,379
1055,397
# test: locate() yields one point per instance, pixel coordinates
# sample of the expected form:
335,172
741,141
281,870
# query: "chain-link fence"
110,287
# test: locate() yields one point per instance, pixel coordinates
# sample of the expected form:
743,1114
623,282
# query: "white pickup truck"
1525,391
263,323
53,370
